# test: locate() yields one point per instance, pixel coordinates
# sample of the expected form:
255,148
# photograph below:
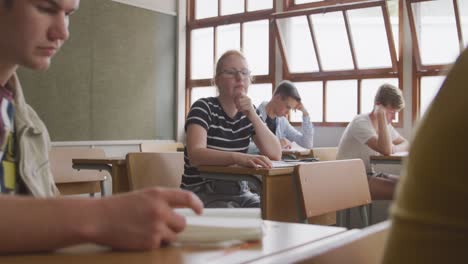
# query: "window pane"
341,100
202,53
438,40
463,8
228,38
368,24
369,89
259,93
429,88
256,46
253,5
232,7
202,92
298,46
206,8
332,41
312,98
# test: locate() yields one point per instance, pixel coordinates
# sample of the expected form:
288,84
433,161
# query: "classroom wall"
113,80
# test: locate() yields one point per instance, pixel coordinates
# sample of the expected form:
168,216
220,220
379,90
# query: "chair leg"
364,215
103,190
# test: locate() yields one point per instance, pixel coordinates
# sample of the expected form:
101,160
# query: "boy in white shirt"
372,134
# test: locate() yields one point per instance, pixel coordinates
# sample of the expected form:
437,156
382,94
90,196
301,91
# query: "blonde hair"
220,62
390,95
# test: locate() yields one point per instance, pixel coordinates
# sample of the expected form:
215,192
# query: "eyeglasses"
232,73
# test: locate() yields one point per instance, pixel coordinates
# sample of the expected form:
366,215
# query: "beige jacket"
33,145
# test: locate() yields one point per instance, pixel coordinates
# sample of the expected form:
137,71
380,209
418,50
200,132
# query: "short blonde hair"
220,62
390,95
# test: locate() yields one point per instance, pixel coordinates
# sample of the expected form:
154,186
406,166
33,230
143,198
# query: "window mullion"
282,47
314,42
456,10
412,22
350,39
324,105
391,42
359,82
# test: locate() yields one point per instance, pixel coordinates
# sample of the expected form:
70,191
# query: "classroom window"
258,92
226,25
202,92
311,96
439,31
350,49
324,46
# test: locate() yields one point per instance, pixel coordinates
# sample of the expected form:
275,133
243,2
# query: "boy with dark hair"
287,98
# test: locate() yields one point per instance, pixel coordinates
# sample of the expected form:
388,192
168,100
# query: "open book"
295,148
226,225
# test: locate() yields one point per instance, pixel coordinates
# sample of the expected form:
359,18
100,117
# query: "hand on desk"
252,161
142,220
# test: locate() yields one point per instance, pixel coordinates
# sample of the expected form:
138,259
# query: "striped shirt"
223,133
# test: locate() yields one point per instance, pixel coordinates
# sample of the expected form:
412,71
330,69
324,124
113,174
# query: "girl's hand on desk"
252,161
141,220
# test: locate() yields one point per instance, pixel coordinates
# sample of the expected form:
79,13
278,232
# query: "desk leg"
119,178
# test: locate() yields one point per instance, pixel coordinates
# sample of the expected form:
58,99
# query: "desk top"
99,161
394,157
279,237
245,170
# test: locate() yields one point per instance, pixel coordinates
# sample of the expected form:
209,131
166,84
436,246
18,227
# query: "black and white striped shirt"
223,133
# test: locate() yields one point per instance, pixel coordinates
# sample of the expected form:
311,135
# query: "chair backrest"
160,146
145,169
330,186
325,154
364,247
63,172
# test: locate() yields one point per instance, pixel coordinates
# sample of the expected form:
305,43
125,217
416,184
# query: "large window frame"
419,69
395,71
220,20
355,74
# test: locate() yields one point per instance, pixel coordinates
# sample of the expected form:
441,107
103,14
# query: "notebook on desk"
296,149
221,226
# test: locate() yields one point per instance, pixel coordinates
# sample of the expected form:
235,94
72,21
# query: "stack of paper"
221,225
295,148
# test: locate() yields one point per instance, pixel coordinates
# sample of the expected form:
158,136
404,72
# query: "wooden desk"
81,184
278,238
279,190
117,168
396,158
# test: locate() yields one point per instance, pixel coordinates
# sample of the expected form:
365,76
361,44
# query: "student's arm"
382,143
199,154
304,139
134,221
265,140
400,144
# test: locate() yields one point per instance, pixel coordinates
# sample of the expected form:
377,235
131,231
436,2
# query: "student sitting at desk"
430,214
273,112
219,130
372,133
32,31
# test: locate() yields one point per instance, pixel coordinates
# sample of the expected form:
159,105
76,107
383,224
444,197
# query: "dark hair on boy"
287,89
